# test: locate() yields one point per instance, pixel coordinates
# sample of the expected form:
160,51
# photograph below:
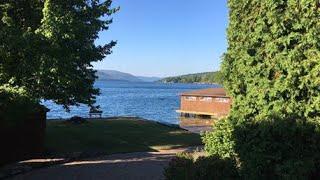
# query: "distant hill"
149,79
206,77
112,75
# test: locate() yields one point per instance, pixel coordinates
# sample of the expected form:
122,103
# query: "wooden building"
205,102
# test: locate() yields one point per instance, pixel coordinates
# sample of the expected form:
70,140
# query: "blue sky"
166,37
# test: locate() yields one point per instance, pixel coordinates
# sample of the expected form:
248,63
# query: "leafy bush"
180,168
278,149
15,105
213,167
184,167
22,125
219,141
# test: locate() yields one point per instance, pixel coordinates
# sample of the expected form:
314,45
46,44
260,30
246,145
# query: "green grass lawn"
115,136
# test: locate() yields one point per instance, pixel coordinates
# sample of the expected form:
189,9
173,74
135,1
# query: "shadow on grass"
67,142
116,136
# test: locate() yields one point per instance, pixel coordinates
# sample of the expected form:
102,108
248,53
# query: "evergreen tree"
272,72
272,66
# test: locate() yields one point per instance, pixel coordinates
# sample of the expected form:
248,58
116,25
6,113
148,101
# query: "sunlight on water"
154,101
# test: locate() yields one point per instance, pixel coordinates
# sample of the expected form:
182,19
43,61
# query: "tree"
272,72
47,47
272,65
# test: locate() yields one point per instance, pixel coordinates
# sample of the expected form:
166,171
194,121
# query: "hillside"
149,79
206,77
112,75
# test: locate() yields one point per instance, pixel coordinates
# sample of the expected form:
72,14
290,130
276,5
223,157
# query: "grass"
115,136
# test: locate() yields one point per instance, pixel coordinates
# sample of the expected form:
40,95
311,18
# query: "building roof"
210,92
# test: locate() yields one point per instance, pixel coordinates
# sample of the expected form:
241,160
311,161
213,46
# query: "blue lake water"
154,101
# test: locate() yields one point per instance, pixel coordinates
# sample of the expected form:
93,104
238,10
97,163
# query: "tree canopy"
47,47
272,64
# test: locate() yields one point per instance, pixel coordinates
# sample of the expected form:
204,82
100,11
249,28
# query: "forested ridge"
206,77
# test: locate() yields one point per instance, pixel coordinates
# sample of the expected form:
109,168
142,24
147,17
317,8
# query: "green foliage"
219,141
215,168
272,72
209,77
274,148
184,167
180,168
48,46
278,149
15,105
272,63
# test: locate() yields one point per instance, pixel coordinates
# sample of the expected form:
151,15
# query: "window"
190,98
206,99
222,100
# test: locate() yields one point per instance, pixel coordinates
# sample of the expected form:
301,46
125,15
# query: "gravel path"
131,166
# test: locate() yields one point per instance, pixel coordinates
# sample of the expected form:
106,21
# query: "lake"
153,101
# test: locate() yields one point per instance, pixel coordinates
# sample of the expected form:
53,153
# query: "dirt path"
131,166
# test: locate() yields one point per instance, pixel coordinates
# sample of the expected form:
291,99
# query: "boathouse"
205,102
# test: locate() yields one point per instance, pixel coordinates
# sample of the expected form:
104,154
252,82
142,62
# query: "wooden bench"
95,114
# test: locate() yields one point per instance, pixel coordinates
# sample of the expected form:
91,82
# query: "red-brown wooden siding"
191,102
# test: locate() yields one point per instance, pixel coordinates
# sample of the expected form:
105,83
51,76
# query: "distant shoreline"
158,82
199,78
189,83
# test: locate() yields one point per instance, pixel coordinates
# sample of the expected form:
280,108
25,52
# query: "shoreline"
193,128
102,118
120,118
199,83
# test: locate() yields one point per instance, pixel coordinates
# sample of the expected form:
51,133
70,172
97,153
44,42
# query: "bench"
95,114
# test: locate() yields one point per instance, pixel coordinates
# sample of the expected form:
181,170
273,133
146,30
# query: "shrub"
180,168
22,125
215,168
15,105
278,149
184,167
219,141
